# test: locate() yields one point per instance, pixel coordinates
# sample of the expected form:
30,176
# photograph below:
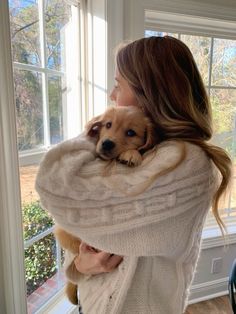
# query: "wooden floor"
219,305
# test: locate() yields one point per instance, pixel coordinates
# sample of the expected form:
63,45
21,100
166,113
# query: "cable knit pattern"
157,231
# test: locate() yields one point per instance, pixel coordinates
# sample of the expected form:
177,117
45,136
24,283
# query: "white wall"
207,285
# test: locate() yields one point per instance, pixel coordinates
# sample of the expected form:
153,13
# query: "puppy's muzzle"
108,145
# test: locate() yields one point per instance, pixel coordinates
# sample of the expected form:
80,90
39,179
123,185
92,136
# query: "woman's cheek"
119,101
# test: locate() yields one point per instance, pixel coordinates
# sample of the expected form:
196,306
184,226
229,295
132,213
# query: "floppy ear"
93,127
150,136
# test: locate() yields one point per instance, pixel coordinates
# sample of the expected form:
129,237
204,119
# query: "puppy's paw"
131,158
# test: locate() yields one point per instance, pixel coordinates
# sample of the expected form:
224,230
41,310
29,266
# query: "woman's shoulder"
171,151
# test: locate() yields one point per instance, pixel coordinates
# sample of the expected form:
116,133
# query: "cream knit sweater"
158,231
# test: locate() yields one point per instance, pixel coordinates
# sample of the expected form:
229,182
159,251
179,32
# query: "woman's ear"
150,140
93,127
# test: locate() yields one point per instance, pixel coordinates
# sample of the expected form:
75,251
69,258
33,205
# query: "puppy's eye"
108,125
131,133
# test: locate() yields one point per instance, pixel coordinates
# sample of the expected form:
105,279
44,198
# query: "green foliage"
40,258
35,220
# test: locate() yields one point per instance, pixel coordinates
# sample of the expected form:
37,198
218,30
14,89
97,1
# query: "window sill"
58,304
31,157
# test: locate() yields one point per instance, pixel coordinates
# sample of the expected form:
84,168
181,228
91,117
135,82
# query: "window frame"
33,156
224,14
196,26
13,292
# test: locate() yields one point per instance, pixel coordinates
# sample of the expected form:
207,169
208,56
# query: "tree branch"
24,27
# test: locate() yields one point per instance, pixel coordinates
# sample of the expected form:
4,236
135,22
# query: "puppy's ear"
93,127
149,136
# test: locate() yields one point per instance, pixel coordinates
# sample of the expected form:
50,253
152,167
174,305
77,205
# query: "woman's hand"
91,261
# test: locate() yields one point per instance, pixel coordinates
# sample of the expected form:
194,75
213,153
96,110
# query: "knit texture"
157,231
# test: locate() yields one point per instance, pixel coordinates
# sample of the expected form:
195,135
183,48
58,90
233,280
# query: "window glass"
39,31
223,103
29,109
149,33
216,61
24,20
224,62
57,15
56,100
200,47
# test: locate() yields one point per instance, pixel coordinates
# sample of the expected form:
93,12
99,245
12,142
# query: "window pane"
55,109
29,109
42,255
233,199
40,262
25,31
224,118
57,15
149,33
224,62
40,96
200,47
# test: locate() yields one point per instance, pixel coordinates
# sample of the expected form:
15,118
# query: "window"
46,63
43,41
215,54
59,64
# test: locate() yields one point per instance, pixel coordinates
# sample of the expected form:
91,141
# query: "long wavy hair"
163,75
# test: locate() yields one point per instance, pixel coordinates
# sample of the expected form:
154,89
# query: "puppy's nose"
108,145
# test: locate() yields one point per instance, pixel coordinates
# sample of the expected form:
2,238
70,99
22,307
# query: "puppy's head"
120,129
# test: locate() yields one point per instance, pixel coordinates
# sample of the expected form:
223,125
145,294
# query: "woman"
147,245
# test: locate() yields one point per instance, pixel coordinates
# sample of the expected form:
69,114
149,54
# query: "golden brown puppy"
121,133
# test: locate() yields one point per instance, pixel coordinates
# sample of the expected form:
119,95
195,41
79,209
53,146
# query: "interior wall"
2,291
207,284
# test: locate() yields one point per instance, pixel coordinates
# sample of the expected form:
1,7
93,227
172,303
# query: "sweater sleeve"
118,212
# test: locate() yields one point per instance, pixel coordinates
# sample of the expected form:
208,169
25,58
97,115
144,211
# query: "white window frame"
13,291
94,93
196,26
72,114
182,24
201,16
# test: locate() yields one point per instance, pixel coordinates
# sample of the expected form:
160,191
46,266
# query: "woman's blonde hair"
168,86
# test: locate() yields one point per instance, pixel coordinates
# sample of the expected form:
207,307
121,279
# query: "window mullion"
30,67
45,99
84,95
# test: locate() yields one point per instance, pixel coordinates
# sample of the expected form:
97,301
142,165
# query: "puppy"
122,134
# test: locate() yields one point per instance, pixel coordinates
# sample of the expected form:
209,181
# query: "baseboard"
208,290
